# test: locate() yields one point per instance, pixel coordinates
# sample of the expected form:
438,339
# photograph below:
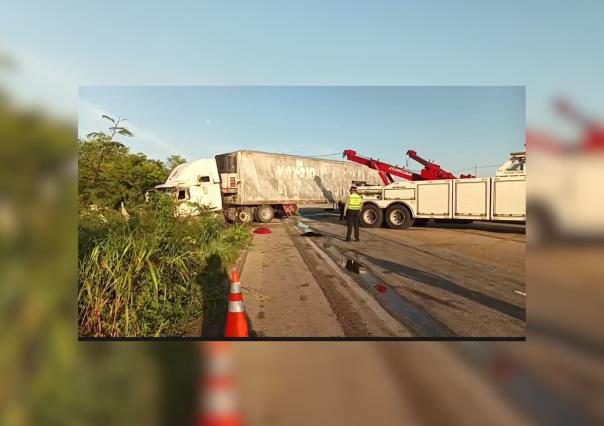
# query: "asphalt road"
441,280
555,378
360,383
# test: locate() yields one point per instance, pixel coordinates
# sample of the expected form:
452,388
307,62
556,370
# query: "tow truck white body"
400,204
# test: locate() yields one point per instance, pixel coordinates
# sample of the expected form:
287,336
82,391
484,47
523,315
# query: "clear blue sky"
456,126
551,47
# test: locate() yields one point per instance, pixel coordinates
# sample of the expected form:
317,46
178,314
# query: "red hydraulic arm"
386,171
593,132
592,139
433,171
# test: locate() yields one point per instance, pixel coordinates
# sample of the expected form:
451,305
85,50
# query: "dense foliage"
109,174
48,378
143,271
37,243
153,274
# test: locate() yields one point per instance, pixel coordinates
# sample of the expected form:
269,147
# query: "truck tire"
264,213
398,217
231,214
245,214
371,216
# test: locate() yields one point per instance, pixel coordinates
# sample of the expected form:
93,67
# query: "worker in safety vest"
353,210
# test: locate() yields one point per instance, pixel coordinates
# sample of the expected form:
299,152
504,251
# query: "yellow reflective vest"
355,202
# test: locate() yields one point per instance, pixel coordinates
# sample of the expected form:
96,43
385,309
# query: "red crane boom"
431,171
386,171
593,132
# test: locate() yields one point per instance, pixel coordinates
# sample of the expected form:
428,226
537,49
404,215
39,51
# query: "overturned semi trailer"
255,185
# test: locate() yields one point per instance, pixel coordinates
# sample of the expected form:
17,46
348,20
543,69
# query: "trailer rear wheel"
398,217
264,213
371,216
245,214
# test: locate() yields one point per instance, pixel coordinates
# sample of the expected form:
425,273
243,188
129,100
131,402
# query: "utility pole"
475,170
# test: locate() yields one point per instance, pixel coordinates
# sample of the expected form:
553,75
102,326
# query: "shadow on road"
502,228
213,279
320,215
439,282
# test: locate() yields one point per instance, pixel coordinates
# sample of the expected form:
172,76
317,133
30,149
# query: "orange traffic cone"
219,405
235,282
236,323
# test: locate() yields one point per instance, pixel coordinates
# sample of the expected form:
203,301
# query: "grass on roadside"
153,274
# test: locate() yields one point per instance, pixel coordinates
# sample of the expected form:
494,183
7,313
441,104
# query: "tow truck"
435,193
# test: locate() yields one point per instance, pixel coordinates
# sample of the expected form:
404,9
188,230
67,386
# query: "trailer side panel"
265,178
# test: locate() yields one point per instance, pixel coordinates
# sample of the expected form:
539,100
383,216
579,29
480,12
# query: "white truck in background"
402,204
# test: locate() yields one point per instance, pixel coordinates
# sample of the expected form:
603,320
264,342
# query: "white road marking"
519,292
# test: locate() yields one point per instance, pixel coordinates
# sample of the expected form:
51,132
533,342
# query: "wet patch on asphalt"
410,315
351,321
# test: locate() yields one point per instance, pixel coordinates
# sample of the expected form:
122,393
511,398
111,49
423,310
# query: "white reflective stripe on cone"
220,402
236,287
236,307
219,366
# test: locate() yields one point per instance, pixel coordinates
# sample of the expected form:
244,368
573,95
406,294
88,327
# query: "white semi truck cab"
194,183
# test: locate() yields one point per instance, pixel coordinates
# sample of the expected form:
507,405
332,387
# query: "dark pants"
352,220
341,206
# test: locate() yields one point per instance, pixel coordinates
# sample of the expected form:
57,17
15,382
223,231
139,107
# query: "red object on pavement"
502,367
381,288
262,231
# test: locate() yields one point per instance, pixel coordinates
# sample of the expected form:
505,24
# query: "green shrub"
152,274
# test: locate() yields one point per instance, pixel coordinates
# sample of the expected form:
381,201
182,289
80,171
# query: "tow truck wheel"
245,214
398,217
371,216
264,213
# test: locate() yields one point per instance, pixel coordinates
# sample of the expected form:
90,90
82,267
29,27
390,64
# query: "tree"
107,142
174,160
109,174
